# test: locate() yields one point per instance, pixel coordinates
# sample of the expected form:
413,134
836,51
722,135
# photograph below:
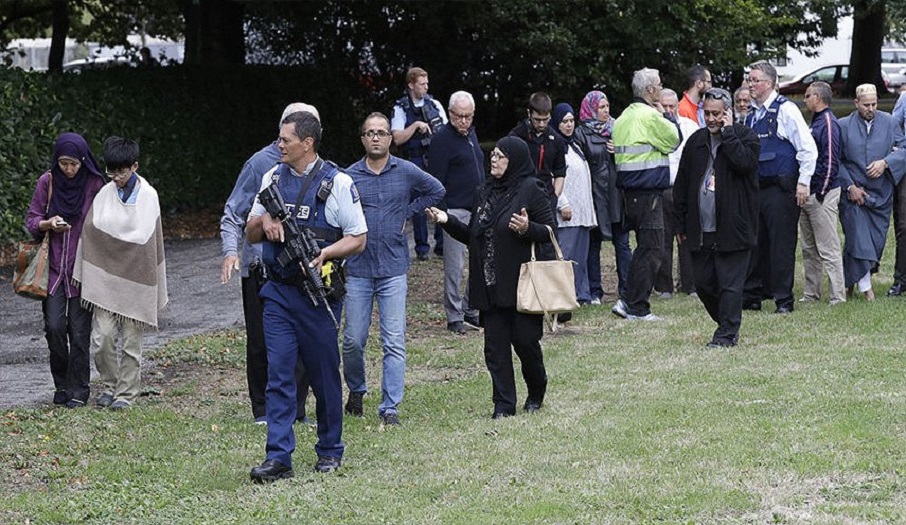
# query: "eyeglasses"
496,155
751,80
69,163
462,116
371,134
120,173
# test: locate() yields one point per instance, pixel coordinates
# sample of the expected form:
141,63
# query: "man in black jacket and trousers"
716,211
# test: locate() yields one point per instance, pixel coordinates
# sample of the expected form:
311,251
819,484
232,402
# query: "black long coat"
511,249
736,188
605,194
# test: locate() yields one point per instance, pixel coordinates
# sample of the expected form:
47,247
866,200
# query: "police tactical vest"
778,156
311,213
417,145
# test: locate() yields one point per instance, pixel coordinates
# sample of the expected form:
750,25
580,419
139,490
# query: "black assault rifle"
301,246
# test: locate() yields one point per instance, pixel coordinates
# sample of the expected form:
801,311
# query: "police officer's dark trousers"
296,329
774,260
420,223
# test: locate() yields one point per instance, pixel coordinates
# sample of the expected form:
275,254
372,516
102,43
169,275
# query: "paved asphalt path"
198,304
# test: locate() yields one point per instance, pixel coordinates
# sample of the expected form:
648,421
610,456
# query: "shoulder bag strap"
49,191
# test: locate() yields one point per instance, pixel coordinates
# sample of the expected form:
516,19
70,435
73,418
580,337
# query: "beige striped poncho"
120,259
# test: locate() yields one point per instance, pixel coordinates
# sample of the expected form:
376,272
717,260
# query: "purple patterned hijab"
588,114
69,194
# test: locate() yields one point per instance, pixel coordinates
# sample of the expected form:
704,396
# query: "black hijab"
499,191
68,196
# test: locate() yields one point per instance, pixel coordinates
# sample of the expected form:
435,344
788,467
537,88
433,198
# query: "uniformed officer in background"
324,200
416,117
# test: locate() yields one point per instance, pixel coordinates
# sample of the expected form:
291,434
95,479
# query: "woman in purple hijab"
71,183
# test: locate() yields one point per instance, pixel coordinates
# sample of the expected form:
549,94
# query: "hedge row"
196,126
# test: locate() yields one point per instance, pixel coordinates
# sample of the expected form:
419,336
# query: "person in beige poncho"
120,265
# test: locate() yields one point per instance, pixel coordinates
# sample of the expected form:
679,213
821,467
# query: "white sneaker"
649,317
619,309
596,302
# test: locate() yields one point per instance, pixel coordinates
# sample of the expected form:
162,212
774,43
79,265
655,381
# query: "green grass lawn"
803,422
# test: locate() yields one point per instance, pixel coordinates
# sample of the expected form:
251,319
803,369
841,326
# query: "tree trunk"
214,31
869,23
60,30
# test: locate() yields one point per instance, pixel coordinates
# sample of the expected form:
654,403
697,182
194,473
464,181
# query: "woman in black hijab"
511,210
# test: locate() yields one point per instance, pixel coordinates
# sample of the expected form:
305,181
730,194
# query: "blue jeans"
574,243
622,253
391,300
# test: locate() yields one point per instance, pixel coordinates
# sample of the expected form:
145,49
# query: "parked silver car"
893,62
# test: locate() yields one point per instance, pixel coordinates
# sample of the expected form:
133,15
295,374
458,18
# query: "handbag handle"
548,317
553,241
49,192
49,196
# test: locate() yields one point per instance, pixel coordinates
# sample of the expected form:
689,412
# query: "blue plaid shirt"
399,191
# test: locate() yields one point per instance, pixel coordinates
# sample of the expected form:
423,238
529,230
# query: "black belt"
780,180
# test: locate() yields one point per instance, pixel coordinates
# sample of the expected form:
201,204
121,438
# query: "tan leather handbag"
546,287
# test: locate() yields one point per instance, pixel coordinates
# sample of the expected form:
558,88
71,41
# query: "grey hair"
823,91
739,90
296,107
642,79
765,67
461,96
667,92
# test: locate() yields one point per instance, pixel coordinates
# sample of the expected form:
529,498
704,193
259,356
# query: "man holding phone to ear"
716,211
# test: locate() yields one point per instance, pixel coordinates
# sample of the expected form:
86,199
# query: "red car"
836,76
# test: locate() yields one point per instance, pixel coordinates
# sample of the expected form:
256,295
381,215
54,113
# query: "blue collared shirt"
132,186
388,199
236,210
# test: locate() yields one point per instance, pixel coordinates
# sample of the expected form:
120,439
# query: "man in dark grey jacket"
716,211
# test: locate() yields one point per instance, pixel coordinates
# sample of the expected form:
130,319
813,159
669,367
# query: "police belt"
299,278
786,182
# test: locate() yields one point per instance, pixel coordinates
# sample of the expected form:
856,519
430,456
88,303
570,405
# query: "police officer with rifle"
416,117
310,218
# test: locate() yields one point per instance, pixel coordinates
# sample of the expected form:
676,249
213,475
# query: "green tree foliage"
27,133
504,50
196,125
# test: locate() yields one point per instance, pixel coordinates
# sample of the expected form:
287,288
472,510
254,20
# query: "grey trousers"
456,304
